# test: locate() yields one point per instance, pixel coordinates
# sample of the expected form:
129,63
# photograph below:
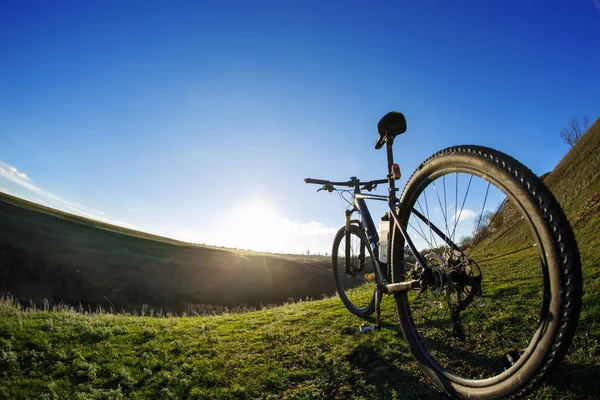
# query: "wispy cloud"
20,178
307,228
464,214
12,174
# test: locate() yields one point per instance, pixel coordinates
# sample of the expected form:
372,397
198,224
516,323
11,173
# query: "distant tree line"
488,223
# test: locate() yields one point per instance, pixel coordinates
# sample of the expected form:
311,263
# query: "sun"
256,226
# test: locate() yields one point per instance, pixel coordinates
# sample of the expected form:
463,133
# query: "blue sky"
199,120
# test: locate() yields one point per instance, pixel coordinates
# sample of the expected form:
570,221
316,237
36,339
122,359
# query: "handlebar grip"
377,182
316,181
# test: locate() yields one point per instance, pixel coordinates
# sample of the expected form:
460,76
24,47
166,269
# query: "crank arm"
401,286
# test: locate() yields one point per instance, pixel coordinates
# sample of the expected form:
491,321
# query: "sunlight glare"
258,226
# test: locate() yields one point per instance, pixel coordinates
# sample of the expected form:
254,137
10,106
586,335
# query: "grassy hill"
45,253
298,350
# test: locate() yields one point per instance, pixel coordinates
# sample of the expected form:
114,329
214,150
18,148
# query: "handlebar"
352,182
324,182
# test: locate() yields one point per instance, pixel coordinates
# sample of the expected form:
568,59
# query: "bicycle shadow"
392,382
581,380
482,362
389,380
576,380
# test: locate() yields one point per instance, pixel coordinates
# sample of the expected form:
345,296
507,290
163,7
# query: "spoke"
445,205
520,278
455,200
483,208
429,220
437,311
421,234
481,314
517,302
439,322
508,254
427,210
440,203
436,324
431,245
488,226
457,217
504,309
498,237
418,222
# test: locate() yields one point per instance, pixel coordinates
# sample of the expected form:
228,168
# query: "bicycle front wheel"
354,271
501,307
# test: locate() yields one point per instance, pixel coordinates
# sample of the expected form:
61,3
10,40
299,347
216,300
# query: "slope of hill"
576,184
300,350
45,253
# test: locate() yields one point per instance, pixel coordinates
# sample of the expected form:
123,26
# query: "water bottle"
384,238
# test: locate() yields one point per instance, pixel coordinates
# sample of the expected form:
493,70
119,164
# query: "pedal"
365,328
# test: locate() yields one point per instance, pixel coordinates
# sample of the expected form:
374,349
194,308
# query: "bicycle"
487,311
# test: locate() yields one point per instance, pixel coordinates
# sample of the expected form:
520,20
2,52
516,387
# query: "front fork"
348,255
379,283
348,265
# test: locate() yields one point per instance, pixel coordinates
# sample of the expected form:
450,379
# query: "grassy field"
45,253
300,350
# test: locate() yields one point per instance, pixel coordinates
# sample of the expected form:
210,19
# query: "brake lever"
329,188
369,187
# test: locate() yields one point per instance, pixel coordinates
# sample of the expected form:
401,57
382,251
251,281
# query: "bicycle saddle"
391,125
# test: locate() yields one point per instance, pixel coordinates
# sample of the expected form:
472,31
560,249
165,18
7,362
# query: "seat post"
390,162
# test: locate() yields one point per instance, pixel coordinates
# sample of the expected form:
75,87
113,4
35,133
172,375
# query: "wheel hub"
456,277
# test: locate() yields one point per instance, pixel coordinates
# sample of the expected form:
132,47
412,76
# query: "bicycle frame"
373,239
385,286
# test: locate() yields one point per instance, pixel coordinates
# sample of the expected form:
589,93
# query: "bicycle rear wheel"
355,282
505,303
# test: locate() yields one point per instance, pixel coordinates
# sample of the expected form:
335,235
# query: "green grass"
298,350
301,350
